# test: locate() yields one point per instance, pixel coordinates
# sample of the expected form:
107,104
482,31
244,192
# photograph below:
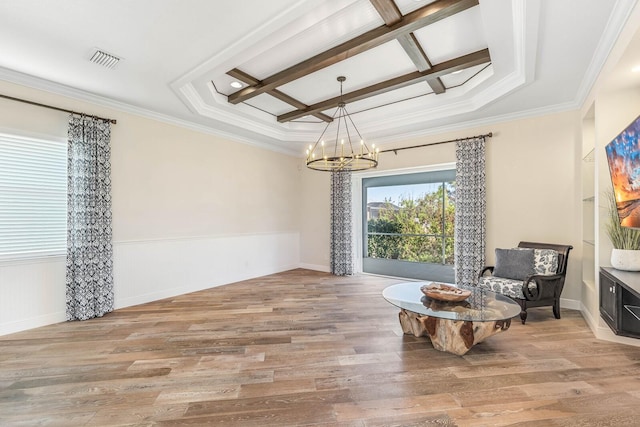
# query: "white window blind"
33,197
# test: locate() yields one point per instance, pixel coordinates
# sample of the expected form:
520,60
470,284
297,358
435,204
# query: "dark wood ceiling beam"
411,46
422,17
250,80
243,77
413,49
461,63
388,10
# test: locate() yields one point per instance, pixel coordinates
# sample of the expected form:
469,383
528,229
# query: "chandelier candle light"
342,154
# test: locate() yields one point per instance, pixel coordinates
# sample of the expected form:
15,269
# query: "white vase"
625,259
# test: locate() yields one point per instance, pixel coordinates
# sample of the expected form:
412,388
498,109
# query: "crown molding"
189,93
619,16
526,36
264,37
33,82
247,44
525,23
475,123
205,109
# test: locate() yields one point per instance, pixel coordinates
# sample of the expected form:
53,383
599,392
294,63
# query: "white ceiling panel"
367,68
456,36
269,104
342,25
407,6
222,83
457,79
386,99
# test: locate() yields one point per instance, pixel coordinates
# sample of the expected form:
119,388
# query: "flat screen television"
623,156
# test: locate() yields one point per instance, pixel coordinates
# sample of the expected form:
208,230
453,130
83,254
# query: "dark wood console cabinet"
620,301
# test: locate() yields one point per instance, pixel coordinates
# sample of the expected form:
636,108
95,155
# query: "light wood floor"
307,348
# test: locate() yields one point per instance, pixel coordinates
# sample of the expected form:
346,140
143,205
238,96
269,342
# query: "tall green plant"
621,237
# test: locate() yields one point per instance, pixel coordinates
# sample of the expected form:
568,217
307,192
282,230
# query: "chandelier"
348,151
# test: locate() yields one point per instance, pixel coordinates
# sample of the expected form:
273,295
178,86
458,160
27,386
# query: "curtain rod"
55,108
395,150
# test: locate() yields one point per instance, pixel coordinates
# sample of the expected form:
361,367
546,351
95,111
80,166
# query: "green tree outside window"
415,230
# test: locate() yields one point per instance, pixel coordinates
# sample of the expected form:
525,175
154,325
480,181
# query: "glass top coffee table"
454,327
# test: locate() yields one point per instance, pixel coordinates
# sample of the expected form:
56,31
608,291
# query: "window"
408,223
33,197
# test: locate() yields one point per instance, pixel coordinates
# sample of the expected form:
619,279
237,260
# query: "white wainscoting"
32,293
150,270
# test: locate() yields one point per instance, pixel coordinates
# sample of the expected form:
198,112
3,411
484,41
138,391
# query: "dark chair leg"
556,308
523,316
523,310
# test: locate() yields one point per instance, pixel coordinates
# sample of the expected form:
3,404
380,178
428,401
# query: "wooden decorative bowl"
444,292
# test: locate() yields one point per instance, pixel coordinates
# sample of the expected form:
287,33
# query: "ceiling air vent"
105,59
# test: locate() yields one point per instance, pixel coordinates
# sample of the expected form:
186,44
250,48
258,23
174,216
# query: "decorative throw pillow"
516,264
545,261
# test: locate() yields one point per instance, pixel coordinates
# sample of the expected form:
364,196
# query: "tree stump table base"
453,336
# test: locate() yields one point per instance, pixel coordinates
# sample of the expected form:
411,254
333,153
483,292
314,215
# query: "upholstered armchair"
532,275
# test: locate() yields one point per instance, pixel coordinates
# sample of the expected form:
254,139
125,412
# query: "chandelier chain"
345,156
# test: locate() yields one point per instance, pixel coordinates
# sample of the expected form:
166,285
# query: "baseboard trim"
182,290
315,267
593,325
571,304
32,323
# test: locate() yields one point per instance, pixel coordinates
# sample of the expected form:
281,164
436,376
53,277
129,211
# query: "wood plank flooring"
303,348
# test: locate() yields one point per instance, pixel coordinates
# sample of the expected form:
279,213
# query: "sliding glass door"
408,225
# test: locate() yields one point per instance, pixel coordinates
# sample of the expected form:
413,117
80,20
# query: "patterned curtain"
470,217
89,250
341,243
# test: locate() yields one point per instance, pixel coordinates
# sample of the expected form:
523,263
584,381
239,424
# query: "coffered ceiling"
412,67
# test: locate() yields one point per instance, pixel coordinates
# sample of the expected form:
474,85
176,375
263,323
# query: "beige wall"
173,182
314,219
190,211
532,190
169,181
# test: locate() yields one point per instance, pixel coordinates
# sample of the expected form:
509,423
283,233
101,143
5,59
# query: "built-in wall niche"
588,201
